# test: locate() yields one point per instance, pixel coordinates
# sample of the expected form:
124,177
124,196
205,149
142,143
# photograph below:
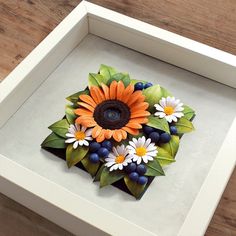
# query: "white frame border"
18,182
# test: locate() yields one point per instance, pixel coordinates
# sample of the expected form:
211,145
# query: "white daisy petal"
70,135
75,145
88,132
160,114
86,143
158,107
70,140
163,102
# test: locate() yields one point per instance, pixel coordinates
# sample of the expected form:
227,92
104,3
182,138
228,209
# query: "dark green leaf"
173,145
158,123
96,80
154,168
120,77
165,93
74,156
152,95
188,112
74,98
54,141
107,72
89,166
184,126
164,157
98,175
135,188
70,115
60,128
110,177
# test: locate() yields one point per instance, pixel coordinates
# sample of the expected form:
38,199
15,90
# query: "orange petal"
83,112
117,135
120,90
96,131
113,89
86,106
101,136
108,133
139,114
124,134
139,107
130,130
87,99
106,91
141,120
89,123
127,93
136,96
134,125
94,94
82,118
99,94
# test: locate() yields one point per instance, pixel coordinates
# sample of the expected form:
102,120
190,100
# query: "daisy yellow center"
119,159
169,110
141,151
79,135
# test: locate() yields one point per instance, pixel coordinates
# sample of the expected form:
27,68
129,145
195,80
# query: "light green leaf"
184,126
74,156
98,175
158,123
70,114
107,72
164,157
135,188
74,98
54,141
165,93
154,168
96,80
152,95
172,146
110,177
60,128
120,77
189,113
89,166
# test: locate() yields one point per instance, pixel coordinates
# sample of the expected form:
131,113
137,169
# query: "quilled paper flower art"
120,130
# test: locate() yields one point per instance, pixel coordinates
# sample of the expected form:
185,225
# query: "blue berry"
173,130
94,158
107,144
148,129
134,176
165,138
142,180
138,86
131,167
103,152
141,169
94,146
147,85
154,136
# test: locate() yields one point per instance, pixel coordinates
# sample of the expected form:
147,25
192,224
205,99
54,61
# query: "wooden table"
24,23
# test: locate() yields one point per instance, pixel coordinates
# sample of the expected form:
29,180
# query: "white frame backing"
32,190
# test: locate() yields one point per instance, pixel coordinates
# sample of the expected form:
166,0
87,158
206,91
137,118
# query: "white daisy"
170,108
78,135
118,158
142,150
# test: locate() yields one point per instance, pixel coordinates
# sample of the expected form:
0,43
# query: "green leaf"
74,156
184,126
120,77
60,128
165,93
154,168
107,72
74,98
110,177
54,141
152,95
96,80
188,112
98,175
163,157
135,188
158,123
172,146
89,166
70,114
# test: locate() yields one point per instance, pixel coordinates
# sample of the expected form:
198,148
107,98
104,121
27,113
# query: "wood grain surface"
25,23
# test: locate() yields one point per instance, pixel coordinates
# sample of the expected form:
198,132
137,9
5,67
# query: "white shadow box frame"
62,206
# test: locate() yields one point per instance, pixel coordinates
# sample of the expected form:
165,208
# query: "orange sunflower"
113,111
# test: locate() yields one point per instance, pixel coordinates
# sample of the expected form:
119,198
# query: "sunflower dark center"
112,114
